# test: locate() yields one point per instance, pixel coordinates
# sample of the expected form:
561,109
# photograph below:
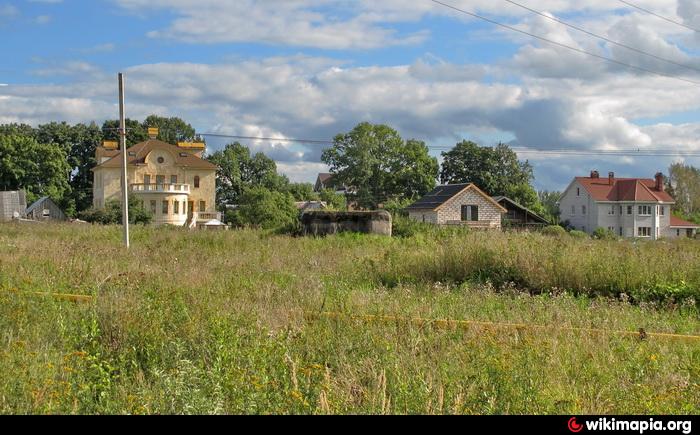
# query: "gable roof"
677,222
324,177
441,195
502,199
624,189
183,158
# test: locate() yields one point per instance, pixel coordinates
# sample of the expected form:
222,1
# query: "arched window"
196,181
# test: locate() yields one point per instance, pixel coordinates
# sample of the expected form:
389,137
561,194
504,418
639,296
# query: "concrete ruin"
323,223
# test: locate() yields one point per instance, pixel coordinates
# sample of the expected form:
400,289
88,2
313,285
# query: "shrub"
604,234
111,214
578,234
266,209
553,230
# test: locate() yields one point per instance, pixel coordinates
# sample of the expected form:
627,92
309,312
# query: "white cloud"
42,19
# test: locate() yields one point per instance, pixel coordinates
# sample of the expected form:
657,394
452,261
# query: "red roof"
624,189
678,222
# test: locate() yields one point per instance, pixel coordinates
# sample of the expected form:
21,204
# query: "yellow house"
174,182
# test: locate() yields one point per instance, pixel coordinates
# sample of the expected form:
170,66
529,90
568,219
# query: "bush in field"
111,214
403,226
578,234
266,209
553,230
604,234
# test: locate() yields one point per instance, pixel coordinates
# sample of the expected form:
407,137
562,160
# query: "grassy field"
196,322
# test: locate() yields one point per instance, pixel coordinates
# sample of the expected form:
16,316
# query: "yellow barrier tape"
65,297
435,323
464,324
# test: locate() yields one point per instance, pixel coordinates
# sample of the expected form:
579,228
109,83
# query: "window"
678,233
173,179
164,209
176,207
611,229
644,232
645,210
629,209
184,207
578,191
583,209
146,179
202,206
621,232
153,206
196,181
573,210
662,210
620,210
423,218
160,180
612,210
161,160
470,213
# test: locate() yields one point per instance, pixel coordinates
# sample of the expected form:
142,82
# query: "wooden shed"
45,210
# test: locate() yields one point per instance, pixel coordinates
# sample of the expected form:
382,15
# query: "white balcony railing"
183,189
208,216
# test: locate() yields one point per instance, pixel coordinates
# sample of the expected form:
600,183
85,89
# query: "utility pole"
125,180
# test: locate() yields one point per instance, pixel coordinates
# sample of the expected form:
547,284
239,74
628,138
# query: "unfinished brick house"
458,204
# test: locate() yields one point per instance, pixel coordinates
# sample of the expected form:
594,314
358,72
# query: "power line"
639,152
604,38
271,139
578,50
659,16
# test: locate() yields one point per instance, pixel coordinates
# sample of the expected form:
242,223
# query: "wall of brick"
489,213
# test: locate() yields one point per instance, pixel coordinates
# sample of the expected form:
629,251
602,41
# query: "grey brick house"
458,204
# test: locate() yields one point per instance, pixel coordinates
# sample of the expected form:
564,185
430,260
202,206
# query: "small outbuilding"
458,204
519,216
12,205
45,210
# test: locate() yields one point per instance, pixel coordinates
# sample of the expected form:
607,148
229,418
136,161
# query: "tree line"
378,166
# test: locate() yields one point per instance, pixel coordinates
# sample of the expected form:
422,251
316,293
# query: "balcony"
175,189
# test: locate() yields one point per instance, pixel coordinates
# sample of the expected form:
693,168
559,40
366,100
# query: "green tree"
78,142
39,169
111,214
238,171
267,209
550,204
495,170
135,132
302,191
333,200
683,184
378,165
171,130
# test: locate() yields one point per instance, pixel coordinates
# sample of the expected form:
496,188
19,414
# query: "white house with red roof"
630,207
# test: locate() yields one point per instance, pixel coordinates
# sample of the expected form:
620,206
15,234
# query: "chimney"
595,174
611,178
660,182
153,132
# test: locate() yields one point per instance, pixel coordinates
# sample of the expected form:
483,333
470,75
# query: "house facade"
458,204
173,182
629,207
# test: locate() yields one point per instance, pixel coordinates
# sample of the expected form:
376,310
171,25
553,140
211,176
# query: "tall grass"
644,271
198,322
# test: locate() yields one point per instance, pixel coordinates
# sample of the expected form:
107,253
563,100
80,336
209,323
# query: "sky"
314,68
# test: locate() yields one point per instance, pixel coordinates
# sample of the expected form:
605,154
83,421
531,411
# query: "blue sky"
314,68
